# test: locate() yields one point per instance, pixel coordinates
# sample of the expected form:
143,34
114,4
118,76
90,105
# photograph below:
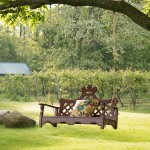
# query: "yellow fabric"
84,108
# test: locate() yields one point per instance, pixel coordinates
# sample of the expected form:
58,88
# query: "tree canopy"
77,37
21,7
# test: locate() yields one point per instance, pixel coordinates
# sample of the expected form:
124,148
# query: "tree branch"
7,11
114,5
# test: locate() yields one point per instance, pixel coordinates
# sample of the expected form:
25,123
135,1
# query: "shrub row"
128,86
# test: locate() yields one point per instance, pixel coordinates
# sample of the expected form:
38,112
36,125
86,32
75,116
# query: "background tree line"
77,37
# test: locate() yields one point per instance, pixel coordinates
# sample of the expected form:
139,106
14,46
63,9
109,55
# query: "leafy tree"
147,8
134,45
75,37
8,45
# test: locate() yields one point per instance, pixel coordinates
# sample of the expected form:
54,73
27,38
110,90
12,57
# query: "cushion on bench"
84,108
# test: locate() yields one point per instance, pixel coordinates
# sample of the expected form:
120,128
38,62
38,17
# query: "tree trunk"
114,41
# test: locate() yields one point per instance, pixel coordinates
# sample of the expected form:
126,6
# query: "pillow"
84,108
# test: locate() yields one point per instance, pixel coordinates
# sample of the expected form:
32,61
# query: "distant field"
133,133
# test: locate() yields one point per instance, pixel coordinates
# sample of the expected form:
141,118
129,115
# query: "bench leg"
41,115
102,127
103,121
115,125
40,122
54,124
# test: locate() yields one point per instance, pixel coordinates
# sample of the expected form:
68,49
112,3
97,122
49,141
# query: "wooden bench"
106,113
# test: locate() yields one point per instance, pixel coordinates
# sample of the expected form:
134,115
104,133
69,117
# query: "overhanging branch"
114,5
7,11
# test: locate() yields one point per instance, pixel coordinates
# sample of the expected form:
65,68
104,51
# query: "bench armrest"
43,104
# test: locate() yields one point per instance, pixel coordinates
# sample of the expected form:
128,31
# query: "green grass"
133,133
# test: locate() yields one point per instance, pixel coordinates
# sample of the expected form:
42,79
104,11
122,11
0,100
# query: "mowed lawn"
133,133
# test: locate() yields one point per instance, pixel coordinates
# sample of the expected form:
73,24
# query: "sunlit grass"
133,133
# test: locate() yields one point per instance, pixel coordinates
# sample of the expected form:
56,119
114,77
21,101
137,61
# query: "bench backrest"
66,106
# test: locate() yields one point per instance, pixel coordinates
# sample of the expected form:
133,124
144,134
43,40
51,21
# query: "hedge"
128,86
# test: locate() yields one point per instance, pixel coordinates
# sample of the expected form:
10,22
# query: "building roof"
14,68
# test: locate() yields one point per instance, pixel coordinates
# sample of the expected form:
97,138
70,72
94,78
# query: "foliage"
82,38
130,87
77,38
147,8
24,15
7,46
